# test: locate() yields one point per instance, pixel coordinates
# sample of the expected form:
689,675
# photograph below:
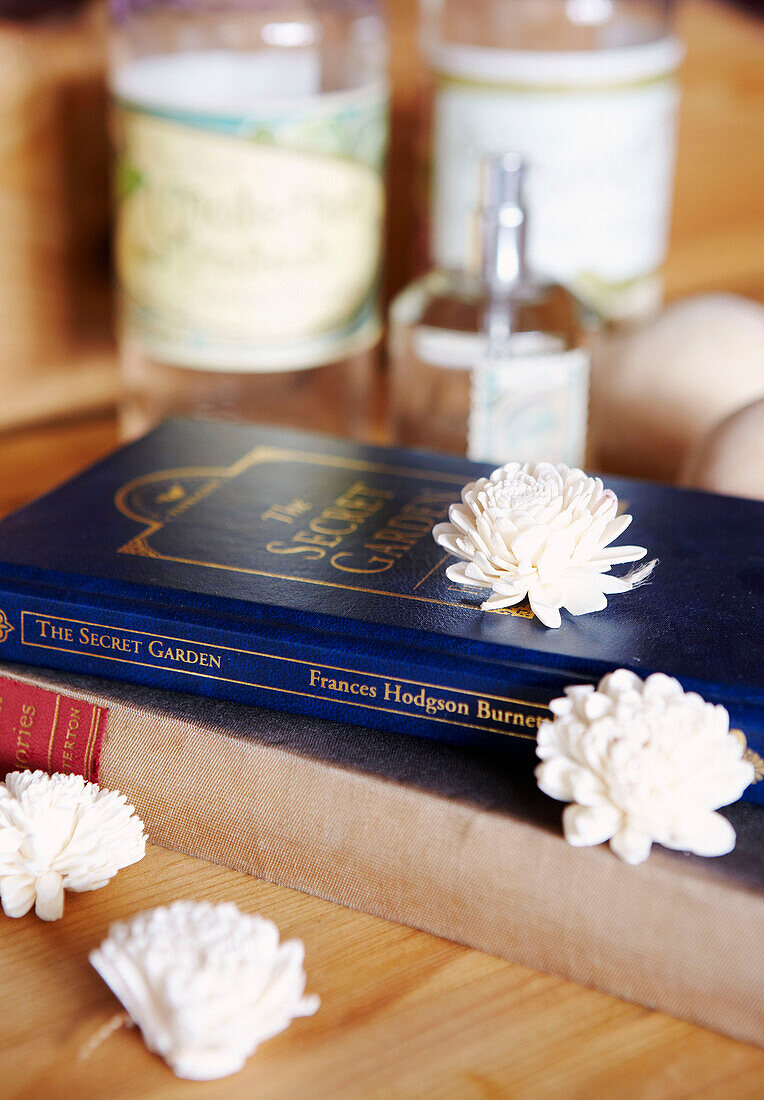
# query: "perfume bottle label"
252,243
600,164
529,407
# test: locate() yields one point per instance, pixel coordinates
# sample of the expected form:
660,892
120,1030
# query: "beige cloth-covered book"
457,842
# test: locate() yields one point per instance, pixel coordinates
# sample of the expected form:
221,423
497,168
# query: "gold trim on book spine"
484,699
92,735
55,718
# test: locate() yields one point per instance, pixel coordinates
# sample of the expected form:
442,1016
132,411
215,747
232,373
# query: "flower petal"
554,778
587,825
587,787
610,584
555,559
445,536
549,616
583,595
615,555
458,574
563,705
496,602
49,896
615,528
707,835
513,586
16,894
10,842
528,543
460,517
631,845
729,786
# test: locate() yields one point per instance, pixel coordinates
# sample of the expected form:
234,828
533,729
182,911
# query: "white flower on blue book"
542,532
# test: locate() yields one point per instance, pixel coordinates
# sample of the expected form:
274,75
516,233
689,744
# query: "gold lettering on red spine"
70,737
44,729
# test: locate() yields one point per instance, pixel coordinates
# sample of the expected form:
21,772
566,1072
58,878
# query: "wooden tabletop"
403,1013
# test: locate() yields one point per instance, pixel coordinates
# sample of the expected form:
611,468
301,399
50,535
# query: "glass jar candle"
250,138
585,92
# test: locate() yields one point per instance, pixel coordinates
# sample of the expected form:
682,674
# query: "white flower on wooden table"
59,832
542,532
642,761
206,984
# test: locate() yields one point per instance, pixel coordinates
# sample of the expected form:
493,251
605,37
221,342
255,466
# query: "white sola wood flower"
642,761
543,532
206,984
59,832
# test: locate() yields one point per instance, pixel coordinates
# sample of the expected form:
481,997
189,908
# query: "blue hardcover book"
300,573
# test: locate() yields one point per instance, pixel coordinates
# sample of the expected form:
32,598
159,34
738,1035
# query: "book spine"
301,673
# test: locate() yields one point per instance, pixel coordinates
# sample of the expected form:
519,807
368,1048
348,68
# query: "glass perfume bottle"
585,91
493,363
250,137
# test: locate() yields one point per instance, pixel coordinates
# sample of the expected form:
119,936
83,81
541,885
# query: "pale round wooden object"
658,390
730,459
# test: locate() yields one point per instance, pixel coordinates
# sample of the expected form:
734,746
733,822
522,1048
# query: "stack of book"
208,571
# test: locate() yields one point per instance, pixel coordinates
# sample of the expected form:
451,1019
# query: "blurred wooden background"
56,343
56,324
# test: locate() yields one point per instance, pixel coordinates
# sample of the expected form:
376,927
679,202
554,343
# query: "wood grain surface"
403,1014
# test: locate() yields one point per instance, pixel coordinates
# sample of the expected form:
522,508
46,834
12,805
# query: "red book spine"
48,730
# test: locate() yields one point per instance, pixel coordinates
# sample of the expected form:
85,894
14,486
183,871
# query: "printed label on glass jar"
529,408
600,161
252,244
